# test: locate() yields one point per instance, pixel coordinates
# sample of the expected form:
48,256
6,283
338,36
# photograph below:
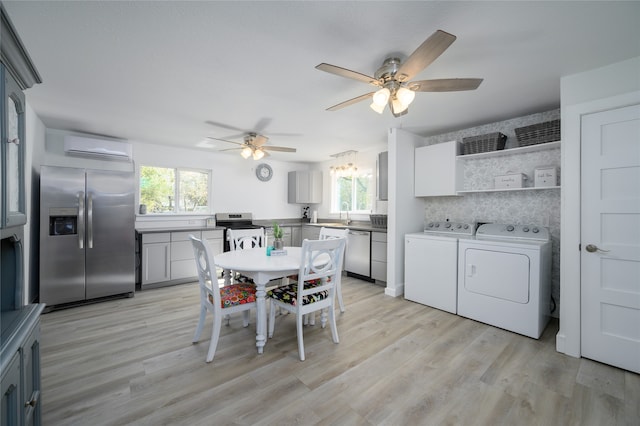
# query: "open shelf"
471,191
511,151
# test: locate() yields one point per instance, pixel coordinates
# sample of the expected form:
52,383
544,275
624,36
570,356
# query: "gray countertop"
356,225
178,229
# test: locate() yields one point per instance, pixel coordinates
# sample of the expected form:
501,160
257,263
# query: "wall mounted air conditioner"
99,148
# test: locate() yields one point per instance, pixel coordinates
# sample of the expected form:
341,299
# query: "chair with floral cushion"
318,278
240,239
240,297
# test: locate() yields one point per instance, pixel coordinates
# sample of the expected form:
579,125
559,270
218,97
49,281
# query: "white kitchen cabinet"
156,257
305,187
379,256
436,170
183,264
215,238
310,232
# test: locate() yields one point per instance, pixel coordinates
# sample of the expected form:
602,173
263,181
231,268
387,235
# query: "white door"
610,237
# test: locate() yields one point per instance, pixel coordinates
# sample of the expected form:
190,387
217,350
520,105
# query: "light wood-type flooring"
131,362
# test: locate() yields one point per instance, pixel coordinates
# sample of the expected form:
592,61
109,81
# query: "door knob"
593,248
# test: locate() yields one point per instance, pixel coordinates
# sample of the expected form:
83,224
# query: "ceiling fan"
254,146
393,77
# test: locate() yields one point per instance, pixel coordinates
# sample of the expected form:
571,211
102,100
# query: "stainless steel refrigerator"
87,235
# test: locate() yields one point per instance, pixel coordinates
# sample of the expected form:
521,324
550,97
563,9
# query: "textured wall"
537,207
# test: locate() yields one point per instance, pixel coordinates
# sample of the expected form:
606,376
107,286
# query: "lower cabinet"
167,257
379,256
156,258
310,232
20,376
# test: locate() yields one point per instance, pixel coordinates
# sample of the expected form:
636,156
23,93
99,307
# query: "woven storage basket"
538,133
483,143
378,220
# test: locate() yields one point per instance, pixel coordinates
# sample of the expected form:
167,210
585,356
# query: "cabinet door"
296,236
215,239
156,262
436,172
31,378
305,187
10,390
13,152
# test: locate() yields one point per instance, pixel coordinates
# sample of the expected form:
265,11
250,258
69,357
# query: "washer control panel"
512,232
454,228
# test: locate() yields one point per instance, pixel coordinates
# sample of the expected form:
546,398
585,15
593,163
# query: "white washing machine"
504,277
431,264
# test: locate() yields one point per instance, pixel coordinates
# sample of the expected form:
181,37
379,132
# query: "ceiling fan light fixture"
258,154
381,97
246,152
405,96
398,107
377,108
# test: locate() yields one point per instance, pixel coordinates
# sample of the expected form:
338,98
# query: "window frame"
335,209
176,190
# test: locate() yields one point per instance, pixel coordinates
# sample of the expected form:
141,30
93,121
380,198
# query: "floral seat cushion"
289,293
236,294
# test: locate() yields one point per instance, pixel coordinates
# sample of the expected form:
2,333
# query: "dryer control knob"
430,225
466,226
510,228
448,225
437,225
535,230
525,229
458,226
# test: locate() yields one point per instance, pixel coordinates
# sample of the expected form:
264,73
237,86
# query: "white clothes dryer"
504,277
431,264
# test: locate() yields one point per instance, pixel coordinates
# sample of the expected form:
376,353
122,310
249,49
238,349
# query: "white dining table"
255,264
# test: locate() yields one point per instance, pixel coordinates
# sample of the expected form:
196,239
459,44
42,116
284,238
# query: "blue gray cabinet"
17,73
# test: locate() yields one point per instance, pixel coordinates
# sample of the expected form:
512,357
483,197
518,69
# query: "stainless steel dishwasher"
358,256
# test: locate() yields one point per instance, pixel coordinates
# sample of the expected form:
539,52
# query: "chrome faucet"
345,206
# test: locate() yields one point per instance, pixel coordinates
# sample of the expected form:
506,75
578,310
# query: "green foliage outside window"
353,193
160,187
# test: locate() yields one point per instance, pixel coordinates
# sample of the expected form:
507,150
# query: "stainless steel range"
234,221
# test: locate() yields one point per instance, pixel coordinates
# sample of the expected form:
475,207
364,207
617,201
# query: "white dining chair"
318,277
330,233
240,239
240,297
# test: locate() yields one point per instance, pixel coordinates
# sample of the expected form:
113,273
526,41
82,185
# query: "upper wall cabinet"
436,171
305,187
17,73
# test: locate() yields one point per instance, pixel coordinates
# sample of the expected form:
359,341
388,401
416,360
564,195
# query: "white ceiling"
157,71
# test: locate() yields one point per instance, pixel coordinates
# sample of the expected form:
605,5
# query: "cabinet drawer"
184,235
379,236
209,235
161,237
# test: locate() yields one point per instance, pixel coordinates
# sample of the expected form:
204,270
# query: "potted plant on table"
278,244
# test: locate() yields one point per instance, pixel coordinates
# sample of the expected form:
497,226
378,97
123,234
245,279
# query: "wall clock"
264,172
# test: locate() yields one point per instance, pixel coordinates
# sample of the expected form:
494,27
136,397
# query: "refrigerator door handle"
81,220
89,221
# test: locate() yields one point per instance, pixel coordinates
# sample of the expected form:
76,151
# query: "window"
174,190
352,193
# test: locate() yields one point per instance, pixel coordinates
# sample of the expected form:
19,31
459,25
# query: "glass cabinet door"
13,154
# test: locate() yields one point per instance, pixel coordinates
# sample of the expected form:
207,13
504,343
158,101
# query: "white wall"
406,212
235,187
604,88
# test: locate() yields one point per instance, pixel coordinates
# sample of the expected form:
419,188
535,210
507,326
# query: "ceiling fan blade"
225,126
351,102
445,85
425,54
224,140
278,148
230,149
343,72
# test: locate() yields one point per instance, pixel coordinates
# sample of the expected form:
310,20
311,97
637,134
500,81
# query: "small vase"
278,244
